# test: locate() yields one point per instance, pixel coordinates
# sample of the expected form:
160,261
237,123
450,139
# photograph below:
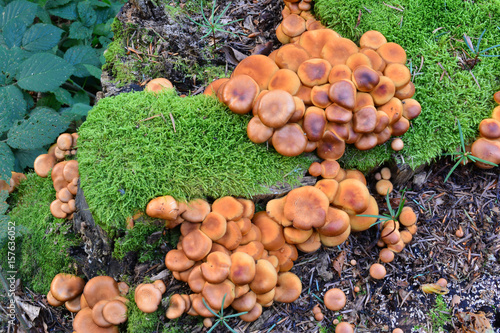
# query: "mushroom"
291,56
331,146
383,91
352,196
52,300
361,223
329,186
376,60
272,232
245,302
276,108
338,114
315,169
335,299
147,297
339,72
216,268
386,255
115,312
296,236
159,84
344,327
100,288
164,207
397,144
488,150
336,51
228,207
343,93
411,108
407,217
289,140
365,78
372,39
293,25
258,67
70,170
239,93
196,210
214,294
214,226
377,271
392,53
43,163
83,322
406,91
383,187
310,245
398,73
306,207
232,239
265,277
314,123
319,96
196,245
176,306
212,88
285,79
313,41
365,119
176,260
314,72
489,128
253,314
56,209
255,249
358,59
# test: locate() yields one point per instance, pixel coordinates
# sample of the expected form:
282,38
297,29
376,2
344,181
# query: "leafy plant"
393,215
476,51
221,318
213,23
439,315
50,62
463,156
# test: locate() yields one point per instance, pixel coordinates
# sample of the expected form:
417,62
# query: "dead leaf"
434,288
233,56
474,322
338,263
31,310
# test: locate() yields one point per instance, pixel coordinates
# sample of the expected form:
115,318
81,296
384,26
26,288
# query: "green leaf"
79,55
6,161
43,15
86,13
49,100
24,10
43,72
81,97
78,31
41,37
79,109
63,96
42,128
51,4
93,70
13,32
12,107
67,11
27,157
11,59
3,197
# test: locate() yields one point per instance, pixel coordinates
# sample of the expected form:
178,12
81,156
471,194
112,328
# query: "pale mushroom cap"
257,132
338,50
335,299
392,53
313,41
397,144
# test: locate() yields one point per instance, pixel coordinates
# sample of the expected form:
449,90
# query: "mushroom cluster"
321,91
487,146
64,174
13,182
148,295
383,185
100,303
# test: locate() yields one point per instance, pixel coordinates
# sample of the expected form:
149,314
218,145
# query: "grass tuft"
433,30
125,162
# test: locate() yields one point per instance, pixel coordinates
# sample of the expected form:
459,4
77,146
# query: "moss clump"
125,160
43,246
443,100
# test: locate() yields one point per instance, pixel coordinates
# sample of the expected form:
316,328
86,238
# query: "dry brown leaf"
434,288
338,263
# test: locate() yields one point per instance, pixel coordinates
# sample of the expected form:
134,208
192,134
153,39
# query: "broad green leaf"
81,97
63,96
6,161
86,13
29,100
50,4
79,55
78,109
78,31
24,10
43,72
27,157
49,100
13,32
42,128
93,70
43,15
12,107
67,11
41,37
11,59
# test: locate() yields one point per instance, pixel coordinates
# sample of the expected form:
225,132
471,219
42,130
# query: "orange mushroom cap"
43,163
334,299
159,84
372,39
306,207
258,67
289,140
239,93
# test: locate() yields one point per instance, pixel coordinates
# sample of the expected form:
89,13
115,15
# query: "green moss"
201,74
125,162
42,249
443,100
136,240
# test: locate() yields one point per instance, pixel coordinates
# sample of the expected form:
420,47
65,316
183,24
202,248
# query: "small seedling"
221,318
393,215
477,52
464,156
213,23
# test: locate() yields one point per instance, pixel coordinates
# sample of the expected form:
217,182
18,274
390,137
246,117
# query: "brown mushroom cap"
386,255
377,271
343,93
83,322
100,288
43,163
254,313
195,280
407,217
52,300
365,119
339,72
338,114
358,59
296,236
200,308
289,140
398,73
383,187
176,260
258,67
397,144
115,312
70,170
164,207
65,141
344,327
376,60
228,207
56,210
281,36
360,223
288,288
336,240
275,210
329,186
271,231
73,305
406,91
304,94
335,299
365,78
400,127
306,207
212,88
300,109
487,150
232,239
216,268
411,108
489,128
243,268
265,277
214,294
338,50
385,173
293,25
245,302
331,146
159,84
253,235
196,210
239,93
285,79
352,196
314,72
255,249
176,306
196,245
275,108
363,99
313,41
392,53
319,96
337,221
312,244
315,169
147,298
291,56
314,123
214,226
383,91
372,39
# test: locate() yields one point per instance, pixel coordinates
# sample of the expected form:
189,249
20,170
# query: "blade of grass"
479,40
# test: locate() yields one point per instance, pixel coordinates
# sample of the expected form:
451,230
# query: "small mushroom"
377,271
335,299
